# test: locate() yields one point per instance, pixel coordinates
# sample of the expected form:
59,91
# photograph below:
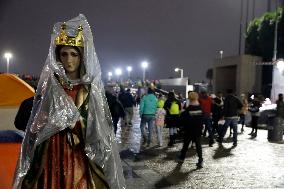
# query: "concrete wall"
239,73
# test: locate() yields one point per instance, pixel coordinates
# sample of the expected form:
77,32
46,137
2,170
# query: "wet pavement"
254,163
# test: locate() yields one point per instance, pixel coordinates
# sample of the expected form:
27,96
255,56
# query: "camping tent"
13,91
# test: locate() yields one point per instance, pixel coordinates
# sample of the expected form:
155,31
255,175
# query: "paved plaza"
254,163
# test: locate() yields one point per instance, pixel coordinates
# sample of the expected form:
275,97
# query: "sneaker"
179,160
171,144
235,144
199,164
211,142
254,135
219,140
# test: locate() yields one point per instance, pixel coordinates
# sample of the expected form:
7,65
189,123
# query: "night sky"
167,33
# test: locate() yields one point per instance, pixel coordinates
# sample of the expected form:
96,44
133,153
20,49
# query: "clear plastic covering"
54,111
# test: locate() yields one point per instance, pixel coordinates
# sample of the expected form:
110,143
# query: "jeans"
128,115
230,122
207,121
149,119
242,119
172,131
115,121
159,134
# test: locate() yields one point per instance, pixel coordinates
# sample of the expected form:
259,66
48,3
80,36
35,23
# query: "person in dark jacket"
127,101
280,106
217,111
23,114
191,120
254,110
116,109
232,106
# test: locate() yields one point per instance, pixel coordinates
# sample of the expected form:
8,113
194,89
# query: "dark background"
167,33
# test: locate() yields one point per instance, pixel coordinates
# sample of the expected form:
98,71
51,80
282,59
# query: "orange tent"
13,90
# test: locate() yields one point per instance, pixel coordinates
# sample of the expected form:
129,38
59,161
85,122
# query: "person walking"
173,108
243,111
127,100
206,105
116,109
147,110
232,105
254,110
280,106
217,111
191,120
160,119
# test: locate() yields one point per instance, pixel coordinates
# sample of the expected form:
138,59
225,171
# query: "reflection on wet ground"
254,163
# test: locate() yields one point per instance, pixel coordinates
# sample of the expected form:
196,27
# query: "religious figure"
69,142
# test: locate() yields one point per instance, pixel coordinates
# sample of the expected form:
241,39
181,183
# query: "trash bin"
275,128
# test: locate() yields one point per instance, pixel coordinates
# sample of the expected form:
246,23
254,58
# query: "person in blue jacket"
148,108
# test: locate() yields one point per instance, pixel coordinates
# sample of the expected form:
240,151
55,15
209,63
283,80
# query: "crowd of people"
198,115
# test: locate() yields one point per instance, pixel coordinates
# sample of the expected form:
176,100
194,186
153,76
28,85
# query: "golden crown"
64,39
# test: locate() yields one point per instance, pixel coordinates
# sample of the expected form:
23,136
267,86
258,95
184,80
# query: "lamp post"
144,66
8,55
181,71
221,54
275,35
109,75
129,69
118,72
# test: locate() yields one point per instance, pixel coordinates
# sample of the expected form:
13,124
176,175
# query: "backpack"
174,109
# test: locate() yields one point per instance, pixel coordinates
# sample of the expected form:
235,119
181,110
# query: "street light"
181,71
144,66
221,54
109,75
118,72
8,55
129,69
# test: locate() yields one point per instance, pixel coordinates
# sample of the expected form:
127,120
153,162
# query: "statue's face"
70,59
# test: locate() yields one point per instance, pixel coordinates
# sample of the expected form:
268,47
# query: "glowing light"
118,71
144,64
129,68
280,65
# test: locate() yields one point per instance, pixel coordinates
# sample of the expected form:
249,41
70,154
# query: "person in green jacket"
148,108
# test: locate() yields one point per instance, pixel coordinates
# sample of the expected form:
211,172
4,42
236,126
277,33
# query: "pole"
181,73
8,59
143,74
275,35
241,28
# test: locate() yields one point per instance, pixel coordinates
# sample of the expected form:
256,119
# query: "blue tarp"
9,136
